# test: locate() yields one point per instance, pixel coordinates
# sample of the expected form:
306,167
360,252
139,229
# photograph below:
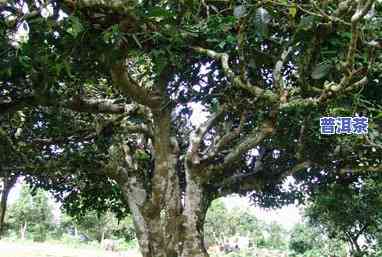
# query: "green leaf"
68,69
76,27
293,10
159,12
379,116
141,155
231,39
25,61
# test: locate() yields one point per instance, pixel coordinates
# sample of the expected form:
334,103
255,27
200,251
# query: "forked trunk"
167,222
161,234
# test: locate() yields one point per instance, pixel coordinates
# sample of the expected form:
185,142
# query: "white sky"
14,193
287,216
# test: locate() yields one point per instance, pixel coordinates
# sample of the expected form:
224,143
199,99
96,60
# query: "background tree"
308,240
276,236
356,218
106,88
237,223
99,227
31,214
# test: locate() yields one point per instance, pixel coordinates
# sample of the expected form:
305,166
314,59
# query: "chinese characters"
343,125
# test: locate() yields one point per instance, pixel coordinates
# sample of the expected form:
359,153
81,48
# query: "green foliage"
32,212
50,134
241,223
349,211
307,240
71,56
100,226
75,27
303,239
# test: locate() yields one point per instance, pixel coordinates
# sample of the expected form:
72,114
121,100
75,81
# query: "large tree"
107,89
10,158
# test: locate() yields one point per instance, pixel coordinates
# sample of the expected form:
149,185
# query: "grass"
49,249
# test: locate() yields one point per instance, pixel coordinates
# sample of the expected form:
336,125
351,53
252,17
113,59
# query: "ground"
33,249
27,249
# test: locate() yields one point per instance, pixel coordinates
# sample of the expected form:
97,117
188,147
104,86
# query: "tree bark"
23,230
196,205
167,223
8,183
102,237
160,233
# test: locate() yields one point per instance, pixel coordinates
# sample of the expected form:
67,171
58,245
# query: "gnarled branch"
131,88
196,138
256,91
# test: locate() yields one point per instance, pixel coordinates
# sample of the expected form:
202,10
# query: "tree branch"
250,180
95,105
116,5
196,137
131,88
138,128
223,141
362,9
250,142
236,80
77,103
362,169
277,71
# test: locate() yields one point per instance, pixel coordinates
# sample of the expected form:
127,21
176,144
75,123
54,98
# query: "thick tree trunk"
165,235
8,183
3,208
196,205
167,223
